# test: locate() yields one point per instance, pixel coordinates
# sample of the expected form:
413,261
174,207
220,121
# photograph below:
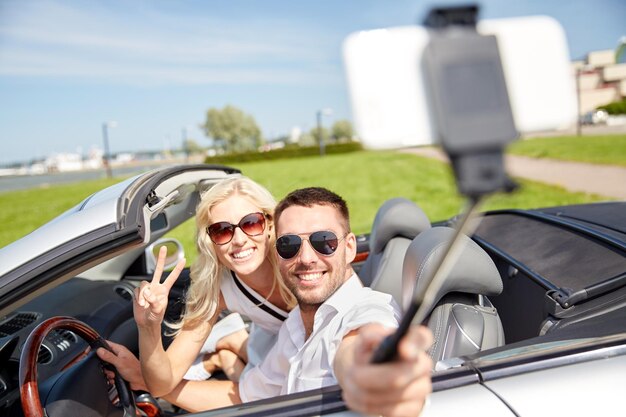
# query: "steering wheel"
29,390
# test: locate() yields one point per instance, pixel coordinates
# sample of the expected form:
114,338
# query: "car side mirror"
175,252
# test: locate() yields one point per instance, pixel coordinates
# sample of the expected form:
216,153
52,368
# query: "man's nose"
307,253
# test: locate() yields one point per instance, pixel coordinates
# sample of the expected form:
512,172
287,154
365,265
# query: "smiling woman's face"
243,254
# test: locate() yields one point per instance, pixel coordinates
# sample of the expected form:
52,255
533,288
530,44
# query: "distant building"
36,168
94,159
66,162
63,162
600,80
296,133
123,158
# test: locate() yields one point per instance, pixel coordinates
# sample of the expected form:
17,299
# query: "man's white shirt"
295,365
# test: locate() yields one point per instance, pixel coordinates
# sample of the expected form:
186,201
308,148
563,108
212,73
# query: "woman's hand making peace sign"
150,300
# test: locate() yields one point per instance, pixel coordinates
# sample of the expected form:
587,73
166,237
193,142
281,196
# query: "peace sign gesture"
150,300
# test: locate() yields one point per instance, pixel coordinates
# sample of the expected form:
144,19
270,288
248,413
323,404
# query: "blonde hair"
203,294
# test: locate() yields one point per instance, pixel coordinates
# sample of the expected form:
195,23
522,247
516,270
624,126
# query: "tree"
617,107
325,134
192,147
307,139
233,129
342,130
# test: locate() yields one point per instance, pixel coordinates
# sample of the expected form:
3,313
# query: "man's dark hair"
308,197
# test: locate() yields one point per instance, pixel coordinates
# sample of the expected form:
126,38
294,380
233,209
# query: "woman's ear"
270,221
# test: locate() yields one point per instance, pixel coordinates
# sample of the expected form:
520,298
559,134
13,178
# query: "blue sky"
155,67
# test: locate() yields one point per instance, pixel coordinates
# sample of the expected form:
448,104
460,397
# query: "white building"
600,80
64,162
94,159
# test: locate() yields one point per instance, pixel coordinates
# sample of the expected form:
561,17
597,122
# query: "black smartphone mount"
470,99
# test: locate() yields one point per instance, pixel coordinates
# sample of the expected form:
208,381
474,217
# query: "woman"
236,270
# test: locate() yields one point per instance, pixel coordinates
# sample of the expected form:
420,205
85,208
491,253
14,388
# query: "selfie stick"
475,122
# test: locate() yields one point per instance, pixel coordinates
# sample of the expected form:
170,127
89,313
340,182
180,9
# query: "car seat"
461,317
396,223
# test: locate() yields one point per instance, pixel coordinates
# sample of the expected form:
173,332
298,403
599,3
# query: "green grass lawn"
367,179
364,179
609,149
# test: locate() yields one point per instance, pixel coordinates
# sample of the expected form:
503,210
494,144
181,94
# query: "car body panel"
594,388
483,403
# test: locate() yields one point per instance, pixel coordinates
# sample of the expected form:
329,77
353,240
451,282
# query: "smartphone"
390,98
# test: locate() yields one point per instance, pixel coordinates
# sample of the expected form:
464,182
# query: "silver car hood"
95,212
107,223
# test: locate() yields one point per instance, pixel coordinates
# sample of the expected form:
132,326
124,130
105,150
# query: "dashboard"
106,306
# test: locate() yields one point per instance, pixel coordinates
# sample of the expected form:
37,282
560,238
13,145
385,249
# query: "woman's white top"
266,318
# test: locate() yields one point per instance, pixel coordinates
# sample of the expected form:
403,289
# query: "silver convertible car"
530,321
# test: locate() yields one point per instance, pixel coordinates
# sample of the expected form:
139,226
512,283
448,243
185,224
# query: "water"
13,183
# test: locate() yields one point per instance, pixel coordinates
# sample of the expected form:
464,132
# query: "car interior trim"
516,264
134,199
135,195
595,290
454,378
567,298
568,224
321,401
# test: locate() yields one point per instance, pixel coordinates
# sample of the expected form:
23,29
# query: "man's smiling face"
311,276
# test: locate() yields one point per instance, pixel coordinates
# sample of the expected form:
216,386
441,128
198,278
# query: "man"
324,341
329,337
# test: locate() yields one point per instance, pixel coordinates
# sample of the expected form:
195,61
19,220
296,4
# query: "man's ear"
351,247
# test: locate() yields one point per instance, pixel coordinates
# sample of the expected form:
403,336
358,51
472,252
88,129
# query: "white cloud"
145,45
31,64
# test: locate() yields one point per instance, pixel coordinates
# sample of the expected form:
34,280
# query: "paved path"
605,180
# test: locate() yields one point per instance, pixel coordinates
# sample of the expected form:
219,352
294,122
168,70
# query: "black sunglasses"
221,233
323,242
